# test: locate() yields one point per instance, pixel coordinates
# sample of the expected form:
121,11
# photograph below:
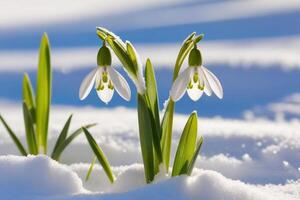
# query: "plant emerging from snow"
36,109
155,134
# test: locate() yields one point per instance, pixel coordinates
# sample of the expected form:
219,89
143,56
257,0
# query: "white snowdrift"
42,178
253,151
33,176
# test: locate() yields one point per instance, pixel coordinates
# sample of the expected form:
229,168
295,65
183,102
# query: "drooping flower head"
127,55
105,79
196,80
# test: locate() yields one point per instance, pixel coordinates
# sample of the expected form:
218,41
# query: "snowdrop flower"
196,79
105,79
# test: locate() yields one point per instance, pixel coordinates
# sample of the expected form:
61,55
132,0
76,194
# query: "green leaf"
14,137
193,161
131,53
43,96
145,131
28,95
61,147
198,38
152,101
29,128
63,135
152,93
166,129
99,154
90,169
186,147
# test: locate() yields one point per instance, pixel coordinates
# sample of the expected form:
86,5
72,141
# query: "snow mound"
203,184
39,177
36,176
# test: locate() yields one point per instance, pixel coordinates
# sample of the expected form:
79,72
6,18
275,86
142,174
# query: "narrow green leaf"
166,129
99,154
63,134
198,38
105,34
152,93
14,137
61,147
152,101
28,95
43,96
146,141
193,161
132,55
90,169
30,132
186,147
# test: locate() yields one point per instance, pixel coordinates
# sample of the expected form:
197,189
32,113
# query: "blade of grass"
99,154
88,174
28,95
193,161
152,101
186,147
146,140
152,96
166,129
29,129
43,96
56,154
14,137
63,134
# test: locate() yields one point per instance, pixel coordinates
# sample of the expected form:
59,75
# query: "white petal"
120,83
214,82
106,94
87,84
195,93
207,88
98,76
179,86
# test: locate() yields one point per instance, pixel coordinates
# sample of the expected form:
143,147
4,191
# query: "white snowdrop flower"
196,80
105,79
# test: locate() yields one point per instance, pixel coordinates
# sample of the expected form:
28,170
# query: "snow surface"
240,159
42,178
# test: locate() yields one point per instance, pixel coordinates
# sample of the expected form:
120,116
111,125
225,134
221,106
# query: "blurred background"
253,46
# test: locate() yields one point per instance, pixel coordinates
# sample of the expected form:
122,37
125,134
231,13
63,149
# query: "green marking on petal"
110,85
190,85
104,77
100,86
200,87
196,77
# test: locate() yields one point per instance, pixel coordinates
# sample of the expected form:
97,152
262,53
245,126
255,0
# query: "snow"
240,159
42,178
35,176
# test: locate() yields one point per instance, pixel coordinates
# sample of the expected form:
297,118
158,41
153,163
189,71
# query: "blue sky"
248,82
